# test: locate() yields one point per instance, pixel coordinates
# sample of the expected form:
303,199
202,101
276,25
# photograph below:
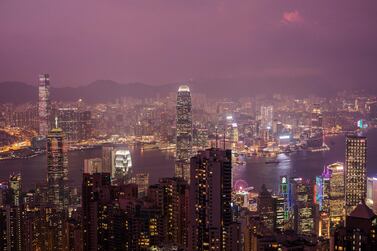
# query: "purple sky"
161,41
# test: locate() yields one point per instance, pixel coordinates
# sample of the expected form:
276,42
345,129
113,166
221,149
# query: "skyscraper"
304,209
184,133
336,193
266,113
44,104
122,166
356,173
210,213
57,168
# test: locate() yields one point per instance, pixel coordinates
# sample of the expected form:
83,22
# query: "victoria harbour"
160,164
188,125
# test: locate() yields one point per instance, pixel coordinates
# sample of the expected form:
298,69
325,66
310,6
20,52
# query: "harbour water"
161,164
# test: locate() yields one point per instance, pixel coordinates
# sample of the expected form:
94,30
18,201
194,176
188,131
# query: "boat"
272,162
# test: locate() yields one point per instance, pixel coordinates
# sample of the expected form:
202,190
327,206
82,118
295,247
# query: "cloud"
292,17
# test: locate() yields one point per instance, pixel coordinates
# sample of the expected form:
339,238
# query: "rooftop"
184,88
362,211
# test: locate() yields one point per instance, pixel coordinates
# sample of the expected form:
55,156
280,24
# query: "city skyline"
195,125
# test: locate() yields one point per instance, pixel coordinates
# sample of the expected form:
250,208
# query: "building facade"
356,171
44,108
210,213
184,133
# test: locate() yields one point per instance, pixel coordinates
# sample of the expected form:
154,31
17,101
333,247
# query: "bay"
161,164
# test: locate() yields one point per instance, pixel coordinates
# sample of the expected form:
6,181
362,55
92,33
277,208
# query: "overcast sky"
162,41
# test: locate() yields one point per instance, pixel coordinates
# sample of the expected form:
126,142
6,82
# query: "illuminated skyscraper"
44,104
57,168
304,209
184,133
336,193
122,166
210,212
356,171
266,116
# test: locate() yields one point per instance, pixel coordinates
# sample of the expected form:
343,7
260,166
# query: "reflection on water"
161,164
284,161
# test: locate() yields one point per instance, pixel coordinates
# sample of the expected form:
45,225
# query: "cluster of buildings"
199,208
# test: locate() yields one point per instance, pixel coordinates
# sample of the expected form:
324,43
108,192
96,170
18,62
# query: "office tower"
284,193
304,210
76,124
336,193
44,108
171,198
57,169
266,209
356,173
121,166
210,214
266,113
184,133
280,213
359,233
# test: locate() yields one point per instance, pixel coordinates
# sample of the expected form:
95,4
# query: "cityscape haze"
188,125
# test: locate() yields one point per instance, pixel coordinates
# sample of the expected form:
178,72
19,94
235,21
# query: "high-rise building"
284,193
355,171
266,209
171,198
57,169
107,159
44,109
184,133
96,195
122,166
304,209
336,193
279,214
359,233
210,213
266,113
